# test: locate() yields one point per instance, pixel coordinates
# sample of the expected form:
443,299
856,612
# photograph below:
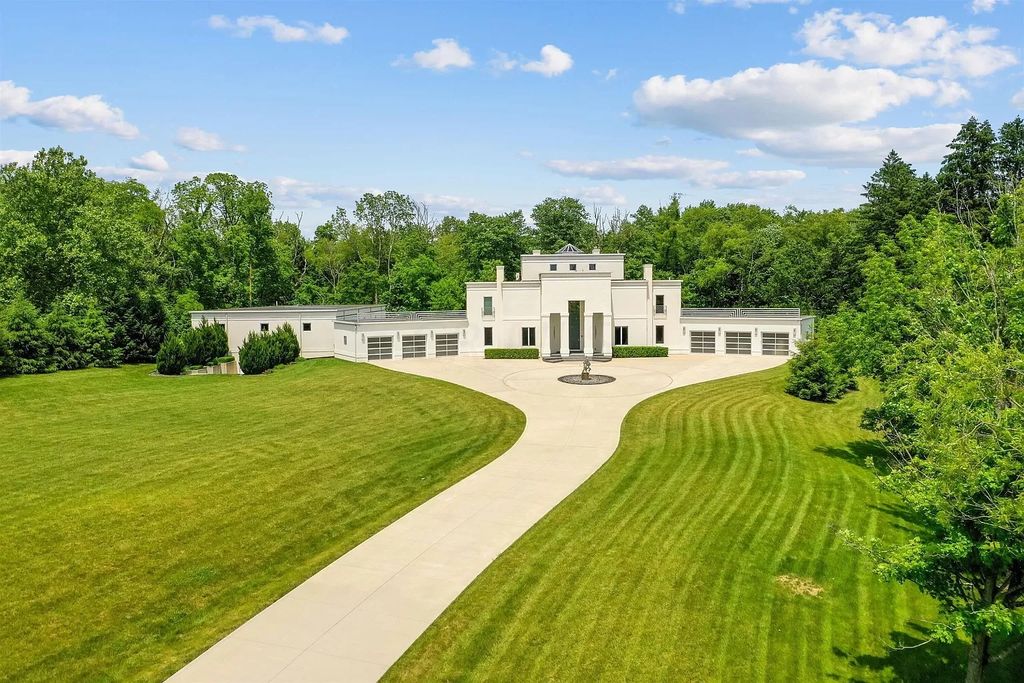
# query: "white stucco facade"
565,304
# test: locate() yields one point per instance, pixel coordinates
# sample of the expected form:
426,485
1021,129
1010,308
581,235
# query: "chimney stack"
649,272
499,274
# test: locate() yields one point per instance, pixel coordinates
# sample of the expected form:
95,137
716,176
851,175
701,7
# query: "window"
446,344
593,266
659,303
572,266
775,343
529,336
488,336
737,343
378,348
344,340
488,305
702,342
659,334
414,346
622,336
553,266
306,327
264,327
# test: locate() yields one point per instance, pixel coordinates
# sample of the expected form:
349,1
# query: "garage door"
775,343
702,342
414,346
378,348
737,343
446,345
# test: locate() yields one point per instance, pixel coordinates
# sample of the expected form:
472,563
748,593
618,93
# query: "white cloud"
454,205
750,152
931,45
1018,99
200,140
244,27
22,157
835,145
502,62
979,6
148,176
677,7
783,96
750,179
604,195
605,75
150,161
67,112
553,62
643,167
294,193
446,54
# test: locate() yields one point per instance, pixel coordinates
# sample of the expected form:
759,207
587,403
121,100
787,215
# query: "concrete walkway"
353,619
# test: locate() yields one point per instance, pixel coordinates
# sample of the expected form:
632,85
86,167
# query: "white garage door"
414,346
737,343
446,345
378,348
702,342
775,343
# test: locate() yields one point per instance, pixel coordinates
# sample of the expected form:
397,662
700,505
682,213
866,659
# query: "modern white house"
566,304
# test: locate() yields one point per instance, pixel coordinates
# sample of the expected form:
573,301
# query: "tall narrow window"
488,305
488,336
659,303
659,334
529,336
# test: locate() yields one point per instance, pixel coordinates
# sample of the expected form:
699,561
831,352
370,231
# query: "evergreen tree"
894,192
1010,155
967,179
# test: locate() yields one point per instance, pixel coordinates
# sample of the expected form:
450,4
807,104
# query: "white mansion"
565,304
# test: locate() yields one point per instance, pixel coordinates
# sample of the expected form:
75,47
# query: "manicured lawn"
143,518
698,553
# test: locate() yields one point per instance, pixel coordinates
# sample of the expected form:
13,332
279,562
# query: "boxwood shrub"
639,351
524,353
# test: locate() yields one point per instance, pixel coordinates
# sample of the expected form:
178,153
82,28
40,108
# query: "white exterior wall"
535,265
755,326
350,337
318,342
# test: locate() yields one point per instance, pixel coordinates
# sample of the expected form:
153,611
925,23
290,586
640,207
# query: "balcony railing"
396,316
660,309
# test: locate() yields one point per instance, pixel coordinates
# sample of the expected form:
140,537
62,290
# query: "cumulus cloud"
22,157
980,6
150,161
697,172
604,195
446,54
784,96
929,45
67,112
1018,99
553,62
295,193
199,140
605,75
858,146
750,152
303,32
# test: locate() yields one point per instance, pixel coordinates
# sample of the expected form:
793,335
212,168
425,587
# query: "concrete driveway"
352,620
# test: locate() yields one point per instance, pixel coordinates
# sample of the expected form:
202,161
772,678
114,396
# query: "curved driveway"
354,618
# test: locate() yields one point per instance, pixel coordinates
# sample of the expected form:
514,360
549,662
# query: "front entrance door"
575,327
555,322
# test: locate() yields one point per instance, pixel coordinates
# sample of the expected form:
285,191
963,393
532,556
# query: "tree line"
98,272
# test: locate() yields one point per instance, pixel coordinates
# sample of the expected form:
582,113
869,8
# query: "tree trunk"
977,660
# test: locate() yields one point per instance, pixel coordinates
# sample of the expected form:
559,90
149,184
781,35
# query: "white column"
564,341
588,334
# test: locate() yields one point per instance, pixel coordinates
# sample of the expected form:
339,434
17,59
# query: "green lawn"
143,517
665,565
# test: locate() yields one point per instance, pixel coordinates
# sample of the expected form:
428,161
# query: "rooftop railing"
369,315
787,313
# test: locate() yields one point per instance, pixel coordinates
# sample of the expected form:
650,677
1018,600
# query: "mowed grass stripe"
664,565
146,517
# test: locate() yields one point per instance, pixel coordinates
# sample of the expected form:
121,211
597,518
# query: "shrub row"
639,351
201,345
263,351
523,353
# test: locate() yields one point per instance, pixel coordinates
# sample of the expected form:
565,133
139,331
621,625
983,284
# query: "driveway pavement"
352,620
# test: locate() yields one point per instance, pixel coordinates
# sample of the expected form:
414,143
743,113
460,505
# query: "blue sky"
493,106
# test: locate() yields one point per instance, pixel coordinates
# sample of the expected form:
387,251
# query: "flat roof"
290,309
787,313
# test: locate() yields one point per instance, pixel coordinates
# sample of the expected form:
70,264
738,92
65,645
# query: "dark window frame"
307,327
621,335
264,327
659,334
488,336
529,336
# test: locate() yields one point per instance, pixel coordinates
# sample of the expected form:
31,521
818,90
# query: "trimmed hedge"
639,351
527,353
263,351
